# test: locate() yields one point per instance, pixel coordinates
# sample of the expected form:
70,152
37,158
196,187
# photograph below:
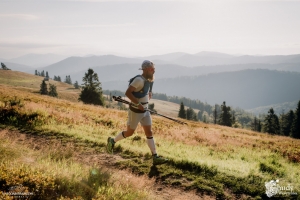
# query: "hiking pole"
119,99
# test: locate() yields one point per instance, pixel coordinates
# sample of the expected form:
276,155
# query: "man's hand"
141,107
150,95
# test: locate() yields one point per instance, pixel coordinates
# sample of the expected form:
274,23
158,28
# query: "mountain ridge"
245,89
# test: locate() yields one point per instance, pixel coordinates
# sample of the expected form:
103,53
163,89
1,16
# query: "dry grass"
236,152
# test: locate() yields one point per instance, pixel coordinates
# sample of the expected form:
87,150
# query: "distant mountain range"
110,67
278,108
35,60
246,89
208,76
214,58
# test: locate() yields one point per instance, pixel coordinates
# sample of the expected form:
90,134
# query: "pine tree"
43,73
295,129
52,90
43,88
225,117
47,75
191,115
59,79
215,114
91,91
259,126
36,72
182,112
76,85
286,123
271,124
68,80
4,66
254,124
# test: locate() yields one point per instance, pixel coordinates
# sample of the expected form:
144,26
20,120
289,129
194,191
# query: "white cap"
146,64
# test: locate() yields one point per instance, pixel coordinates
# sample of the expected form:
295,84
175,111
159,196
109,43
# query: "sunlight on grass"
236,153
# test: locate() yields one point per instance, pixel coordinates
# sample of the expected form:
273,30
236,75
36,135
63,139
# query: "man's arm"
133,99
150,95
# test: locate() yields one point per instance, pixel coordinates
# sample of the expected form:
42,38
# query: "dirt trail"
90,157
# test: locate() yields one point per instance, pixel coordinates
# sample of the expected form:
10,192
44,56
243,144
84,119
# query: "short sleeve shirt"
138,84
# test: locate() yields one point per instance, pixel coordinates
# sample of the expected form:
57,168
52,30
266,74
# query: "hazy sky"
141,28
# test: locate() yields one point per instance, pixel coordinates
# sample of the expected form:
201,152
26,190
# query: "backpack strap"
130,81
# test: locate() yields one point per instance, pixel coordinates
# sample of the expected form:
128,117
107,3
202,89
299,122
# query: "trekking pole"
119,99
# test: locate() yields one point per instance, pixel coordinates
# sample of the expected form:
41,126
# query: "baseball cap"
146,64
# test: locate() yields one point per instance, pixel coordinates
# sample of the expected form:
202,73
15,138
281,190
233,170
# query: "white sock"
119,137
151,144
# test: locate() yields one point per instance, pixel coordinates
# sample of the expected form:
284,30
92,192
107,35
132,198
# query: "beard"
150,77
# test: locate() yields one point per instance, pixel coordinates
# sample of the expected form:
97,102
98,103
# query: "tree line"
207,113
67,80
287,124
91,90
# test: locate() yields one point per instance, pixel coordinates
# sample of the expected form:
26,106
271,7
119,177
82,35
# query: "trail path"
90,157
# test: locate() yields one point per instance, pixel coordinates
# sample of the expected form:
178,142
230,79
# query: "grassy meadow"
222,162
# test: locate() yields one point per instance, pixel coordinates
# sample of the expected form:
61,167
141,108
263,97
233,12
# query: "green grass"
53,174
222,162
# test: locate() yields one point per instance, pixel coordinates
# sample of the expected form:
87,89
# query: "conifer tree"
43,73
295,129
286,123
259,126
254,125
191,115
4,66
225,117
76,85
182,112
68,80
91,90
43,88
271,123
47,75
52,90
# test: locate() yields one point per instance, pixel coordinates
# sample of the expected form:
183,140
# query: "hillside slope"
221,162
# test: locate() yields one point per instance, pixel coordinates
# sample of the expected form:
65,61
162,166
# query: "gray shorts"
134,119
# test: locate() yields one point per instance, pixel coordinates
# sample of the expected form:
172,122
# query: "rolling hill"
55,148
245,89
37,60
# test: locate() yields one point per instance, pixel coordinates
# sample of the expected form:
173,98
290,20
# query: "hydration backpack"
143,92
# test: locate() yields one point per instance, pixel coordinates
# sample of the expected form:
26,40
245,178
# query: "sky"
144,28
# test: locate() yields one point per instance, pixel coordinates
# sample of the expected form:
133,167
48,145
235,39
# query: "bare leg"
129,132
124,134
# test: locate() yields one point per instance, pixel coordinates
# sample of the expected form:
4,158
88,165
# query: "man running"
139,92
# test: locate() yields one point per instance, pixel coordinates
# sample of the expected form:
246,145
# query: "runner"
140,92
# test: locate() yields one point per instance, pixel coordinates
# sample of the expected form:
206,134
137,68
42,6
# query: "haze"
142,28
